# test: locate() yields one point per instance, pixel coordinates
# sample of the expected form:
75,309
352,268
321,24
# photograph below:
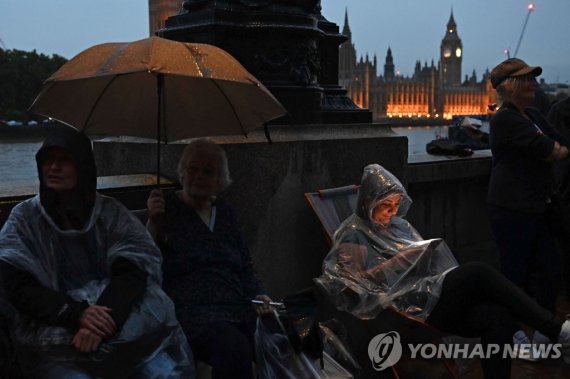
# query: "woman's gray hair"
508,86
207,146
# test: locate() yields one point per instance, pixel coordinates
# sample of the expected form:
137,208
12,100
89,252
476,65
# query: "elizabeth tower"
451,55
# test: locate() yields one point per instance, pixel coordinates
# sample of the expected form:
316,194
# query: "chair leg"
395,372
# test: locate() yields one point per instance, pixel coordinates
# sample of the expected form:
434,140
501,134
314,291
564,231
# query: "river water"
419,136
18,164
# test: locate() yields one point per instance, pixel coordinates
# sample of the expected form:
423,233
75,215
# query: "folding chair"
333,206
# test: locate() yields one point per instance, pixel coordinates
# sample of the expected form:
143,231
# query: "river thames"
18,164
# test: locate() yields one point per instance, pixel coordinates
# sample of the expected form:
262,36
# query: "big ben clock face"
458,52
446,52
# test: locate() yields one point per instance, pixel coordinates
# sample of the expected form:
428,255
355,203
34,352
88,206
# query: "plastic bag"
300,323
276,357
335,345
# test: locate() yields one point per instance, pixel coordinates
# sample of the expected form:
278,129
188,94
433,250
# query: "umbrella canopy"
157,88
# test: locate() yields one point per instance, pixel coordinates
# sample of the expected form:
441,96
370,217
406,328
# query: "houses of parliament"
433,91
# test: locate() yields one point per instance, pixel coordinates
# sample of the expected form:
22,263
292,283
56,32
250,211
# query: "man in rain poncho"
85,277
379,260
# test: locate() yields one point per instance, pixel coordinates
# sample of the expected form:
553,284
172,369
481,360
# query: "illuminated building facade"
432,91
159,11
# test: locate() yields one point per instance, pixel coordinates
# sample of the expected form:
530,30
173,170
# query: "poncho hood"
376,185
80,148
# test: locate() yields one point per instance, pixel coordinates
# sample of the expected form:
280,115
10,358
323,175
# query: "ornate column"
287,44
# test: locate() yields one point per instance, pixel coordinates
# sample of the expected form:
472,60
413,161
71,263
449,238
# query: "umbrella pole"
266,130
159,121
158,164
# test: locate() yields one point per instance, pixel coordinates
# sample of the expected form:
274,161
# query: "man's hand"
86,341
264,308
97,320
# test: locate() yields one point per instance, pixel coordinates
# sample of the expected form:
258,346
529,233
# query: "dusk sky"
412,28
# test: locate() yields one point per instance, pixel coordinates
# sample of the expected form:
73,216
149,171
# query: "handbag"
447,147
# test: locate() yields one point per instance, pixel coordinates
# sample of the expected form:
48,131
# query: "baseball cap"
512,67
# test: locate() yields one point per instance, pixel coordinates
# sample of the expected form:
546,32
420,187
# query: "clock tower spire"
451,54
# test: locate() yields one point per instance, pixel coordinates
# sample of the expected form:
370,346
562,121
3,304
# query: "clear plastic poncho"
78,262
372,266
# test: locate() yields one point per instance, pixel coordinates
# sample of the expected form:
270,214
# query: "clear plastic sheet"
78,263
334,343
372,266
275,356
278,358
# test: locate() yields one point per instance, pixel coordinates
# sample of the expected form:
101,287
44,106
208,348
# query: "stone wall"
269,181
284,235
450,202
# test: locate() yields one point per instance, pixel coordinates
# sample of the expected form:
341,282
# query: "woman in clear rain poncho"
85,277
379,260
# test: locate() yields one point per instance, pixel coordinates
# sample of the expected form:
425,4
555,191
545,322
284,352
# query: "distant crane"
2,43
530,9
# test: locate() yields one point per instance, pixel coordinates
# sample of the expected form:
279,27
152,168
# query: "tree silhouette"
21,76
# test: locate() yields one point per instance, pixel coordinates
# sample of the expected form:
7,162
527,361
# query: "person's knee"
53,370
160,366
237,353
479,266
478,271
240,351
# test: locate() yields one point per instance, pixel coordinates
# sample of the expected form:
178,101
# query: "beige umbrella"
157,88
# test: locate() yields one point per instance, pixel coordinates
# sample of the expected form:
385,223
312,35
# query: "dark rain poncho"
372,267
78,263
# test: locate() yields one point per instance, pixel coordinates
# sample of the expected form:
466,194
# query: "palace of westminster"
432,91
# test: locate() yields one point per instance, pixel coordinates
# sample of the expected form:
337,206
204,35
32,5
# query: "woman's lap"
225,346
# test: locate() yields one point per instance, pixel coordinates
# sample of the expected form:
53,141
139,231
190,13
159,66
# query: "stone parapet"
449,196
269,182
284,235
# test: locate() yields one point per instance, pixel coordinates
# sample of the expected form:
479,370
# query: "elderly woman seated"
208,270
379,260
84,276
